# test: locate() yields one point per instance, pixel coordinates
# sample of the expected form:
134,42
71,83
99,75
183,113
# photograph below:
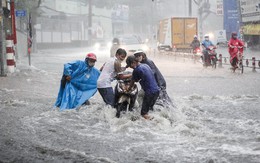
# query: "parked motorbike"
125,99
212,57
239,59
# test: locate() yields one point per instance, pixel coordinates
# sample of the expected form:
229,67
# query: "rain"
215,115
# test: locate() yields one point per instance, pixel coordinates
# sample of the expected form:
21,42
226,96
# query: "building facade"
250,18
63,22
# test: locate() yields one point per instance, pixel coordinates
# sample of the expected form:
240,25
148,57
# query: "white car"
102,44
130,44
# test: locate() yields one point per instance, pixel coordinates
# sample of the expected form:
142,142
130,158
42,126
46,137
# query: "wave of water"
200,129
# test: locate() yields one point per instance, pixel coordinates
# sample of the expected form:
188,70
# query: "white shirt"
107,75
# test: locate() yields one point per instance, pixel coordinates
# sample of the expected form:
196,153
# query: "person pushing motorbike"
234,46
143,74
110,71
163,98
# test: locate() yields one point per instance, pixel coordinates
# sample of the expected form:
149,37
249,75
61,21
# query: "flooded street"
216,118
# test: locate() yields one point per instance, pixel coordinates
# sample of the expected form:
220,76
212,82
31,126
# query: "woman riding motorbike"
234,46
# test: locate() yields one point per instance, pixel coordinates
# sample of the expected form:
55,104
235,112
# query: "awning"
251,29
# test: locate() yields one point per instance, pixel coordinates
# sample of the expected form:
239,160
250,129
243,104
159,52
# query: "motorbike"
196,54
212,57
125,99
239,60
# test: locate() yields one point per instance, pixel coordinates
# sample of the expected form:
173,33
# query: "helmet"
91,56
206,36
233,34
195,36
138,53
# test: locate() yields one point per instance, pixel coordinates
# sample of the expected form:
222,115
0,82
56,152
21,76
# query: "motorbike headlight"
109,44
145,48
134,90
119,89
97,45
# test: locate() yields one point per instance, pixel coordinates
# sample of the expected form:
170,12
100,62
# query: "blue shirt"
145,76
207,43
158,76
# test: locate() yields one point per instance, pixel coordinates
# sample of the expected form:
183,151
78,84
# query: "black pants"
108,95
234,62
164,99
206,56
63,81
148,102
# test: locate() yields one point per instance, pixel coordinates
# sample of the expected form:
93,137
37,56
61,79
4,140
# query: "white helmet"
206,36
195,36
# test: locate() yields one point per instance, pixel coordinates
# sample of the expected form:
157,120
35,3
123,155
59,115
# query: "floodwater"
216,118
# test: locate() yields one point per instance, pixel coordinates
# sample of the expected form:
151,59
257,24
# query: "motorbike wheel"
120,107
214,63
241,67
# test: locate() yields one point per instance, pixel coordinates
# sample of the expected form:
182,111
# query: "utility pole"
13,29
89,22
240,23
13,21
190,8
2,72
154,19
203,12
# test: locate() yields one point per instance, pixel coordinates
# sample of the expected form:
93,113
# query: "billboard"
120,13
219,10
220,36
251,29
250,10
231,17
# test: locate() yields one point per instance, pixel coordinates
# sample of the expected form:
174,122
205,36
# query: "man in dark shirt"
163,98
195,43
144,75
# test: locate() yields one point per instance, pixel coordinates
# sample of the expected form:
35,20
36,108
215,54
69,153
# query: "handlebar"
239,47
211,48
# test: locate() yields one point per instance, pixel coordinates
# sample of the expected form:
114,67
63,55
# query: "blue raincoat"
80,88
